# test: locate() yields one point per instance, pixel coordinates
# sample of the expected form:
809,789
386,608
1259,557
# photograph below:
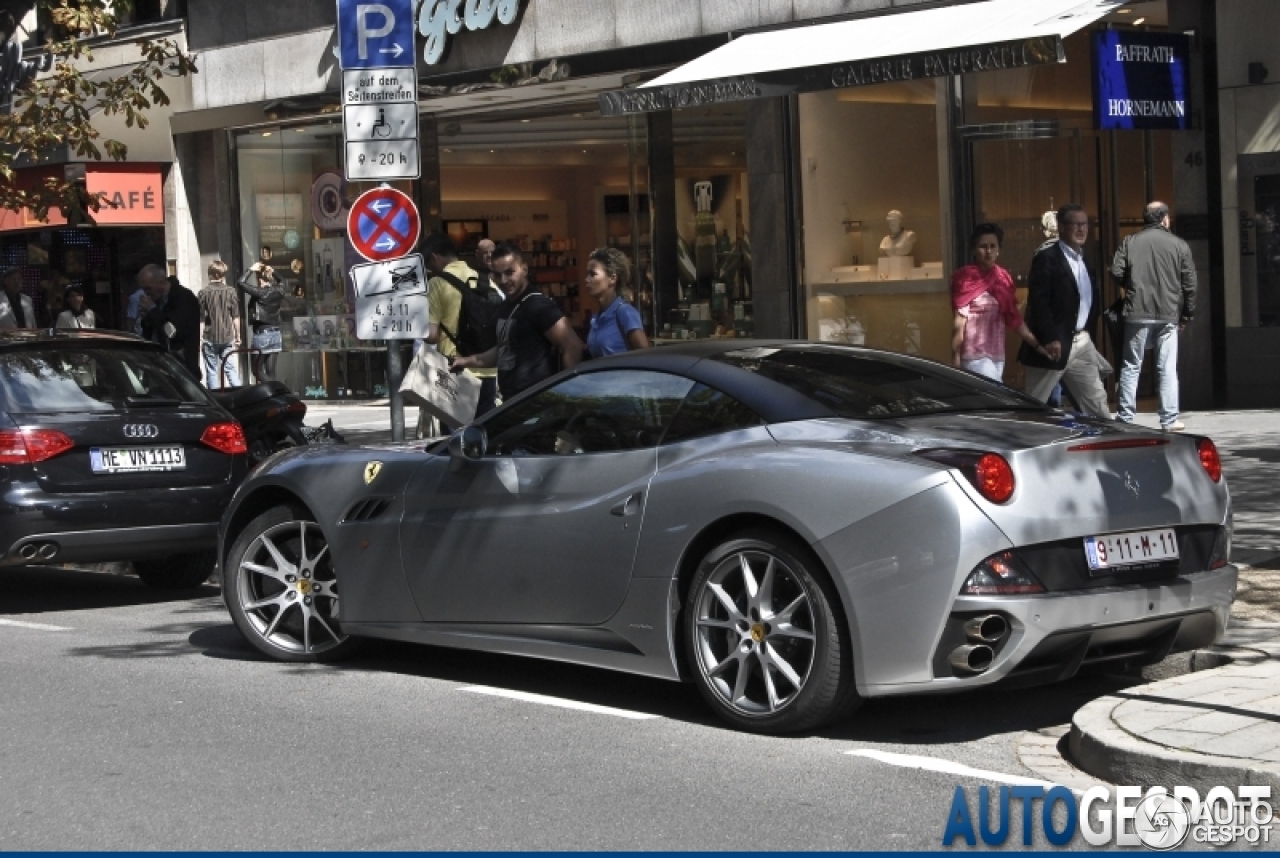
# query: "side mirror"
469,442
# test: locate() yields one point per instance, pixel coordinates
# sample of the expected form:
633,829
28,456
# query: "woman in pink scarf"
983,297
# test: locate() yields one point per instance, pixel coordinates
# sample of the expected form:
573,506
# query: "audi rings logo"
141,430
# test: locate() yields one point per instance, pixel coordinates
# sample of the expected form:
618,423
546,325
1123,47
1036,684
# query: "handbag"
450,397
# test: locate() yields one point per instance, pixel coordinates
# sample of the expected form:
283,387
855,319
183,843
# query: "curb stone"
1101,747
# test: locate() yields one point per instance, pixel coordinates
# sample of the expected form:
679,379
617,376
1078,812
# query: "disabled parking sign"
379,90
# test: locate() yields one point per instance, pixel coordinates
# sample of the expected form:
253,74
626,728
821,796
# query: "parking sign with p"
375,33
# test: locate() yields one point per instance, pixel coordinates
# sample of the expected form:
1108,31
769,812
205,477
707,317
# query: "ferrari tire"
281,589
768,645
179,572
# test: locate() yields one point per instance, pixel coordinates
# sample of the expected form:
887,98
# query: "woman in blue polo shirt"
617,327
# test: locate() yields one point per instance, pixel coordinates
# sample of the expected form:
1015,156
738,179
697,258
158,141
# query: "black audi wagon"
110,450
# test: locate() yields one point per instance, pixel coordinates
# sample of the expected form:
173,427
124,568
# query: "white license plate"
123,460
1131,549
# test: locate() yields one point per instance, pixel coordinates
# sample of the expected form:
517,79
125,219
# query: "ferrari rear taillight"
990,473
225,438
28,446
1221,554
1209,459
994,478
1001,574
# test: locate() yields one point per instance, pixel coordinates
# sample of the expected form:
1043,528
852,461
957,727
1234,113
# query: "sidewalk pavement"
1219,725
1216,726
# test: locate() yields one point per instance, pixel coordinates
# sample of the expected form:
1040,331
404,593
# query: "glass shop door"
1016,182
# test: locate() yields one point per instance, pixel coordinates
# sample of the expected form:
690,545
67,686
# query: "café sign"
440,19
903,67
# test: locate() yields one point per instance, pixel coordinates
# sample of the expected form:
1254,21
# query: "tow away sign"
391,299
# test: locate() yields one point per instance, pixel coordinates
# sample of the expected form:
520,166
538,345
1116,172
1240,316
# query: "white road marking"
947,767
560,702
40,627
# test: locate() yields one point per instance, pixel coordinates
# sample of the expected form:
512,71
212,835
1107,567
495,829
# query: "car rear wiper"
151,402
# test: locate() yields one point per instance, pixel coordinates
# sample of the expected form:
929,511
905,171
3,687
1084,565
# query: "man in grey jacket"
1158,276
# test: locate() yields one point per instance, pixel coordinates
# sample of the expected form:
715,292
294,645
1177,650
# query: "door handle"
630,506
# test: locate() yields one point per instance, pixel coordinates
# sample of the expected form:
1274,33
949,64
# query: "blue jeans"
213,359
1136,336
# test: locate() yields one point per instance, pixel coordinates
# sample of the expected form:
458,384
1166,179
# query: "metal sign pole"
395,374
380,136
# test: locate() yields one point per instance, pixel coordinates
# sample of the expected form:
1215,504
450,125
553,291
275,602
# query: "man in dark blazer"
1063,303
173,320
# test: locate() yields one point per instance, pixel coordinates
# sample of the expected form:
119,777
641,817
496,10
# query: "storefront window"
712,299
557,183
293,209
875,267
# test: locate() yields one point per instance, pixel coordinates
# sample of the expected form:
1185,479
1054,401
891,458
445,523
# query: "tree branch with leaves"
56,101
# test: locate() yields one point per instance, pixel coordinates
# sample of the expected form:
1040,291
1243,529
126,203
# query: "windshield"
64,377
861,385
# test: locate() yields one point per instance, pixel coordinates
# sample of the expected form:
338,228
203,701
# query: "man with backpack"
529,333
463,308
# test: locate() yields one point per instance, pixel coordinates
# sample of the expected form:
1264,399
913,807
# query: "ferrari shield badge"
371,472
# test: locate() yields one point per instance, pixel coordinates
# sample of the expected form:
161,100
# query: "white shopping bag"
451,397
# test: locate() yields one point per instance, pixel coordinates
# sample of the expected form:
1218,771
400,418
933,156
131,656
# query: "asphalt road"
137,722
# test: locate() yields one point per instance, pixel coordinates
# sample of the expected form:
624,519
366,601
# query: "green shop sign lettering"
440,19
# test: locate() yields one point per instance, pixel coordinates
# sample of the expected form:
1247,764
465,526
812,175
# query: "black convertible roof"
23,336
774,402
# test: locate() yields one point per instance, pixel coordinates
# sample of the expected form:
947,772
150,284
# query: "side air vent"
366,510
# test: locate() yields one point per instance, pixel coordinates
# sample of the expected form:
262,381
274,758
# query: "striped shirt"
220,313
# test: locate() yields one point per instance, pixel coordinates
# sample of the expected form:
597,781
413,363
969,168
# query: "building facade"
758,204
142,194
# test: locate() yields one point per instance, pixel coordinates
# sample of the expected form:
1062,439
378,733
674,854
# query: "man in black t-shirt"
530,329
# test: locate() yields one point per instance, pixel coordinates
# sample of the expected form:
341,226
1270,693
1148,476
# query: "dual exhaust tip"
38,551
984,631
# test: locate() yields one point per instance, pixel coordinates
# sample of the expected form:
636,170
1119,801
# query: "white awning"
987,35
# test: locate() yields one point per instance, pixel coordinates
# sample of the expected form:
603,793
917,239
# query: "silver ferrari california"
792,527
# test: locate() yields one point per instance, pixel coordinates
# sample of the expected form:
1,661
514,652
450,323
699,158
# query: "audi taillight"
225,438
990,473
28,446
1209,459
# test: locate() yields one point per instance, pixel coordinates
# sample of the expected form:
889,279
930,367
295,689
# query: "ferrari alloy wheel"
282,591
768,647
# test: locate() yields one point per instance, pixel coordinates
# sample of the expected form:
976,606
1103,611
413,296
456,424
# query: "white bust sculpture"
899,241
1049,223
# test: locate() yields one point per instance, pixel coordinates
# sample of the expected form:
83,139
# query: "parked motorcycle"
271,416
